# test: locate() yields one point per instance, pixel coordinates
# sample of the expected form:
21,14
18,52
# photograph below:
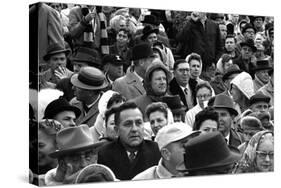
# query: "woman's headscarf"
248,160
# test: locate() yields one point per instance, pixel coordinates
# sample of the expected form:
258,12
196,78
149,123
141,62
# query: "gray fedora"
224,101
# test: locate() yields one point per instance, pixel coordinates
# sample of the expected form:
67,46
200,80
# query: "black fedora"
250,43
86,55
59,105
233,69
262,65
147,30
142,51
224,101
113,59
208,151
151,19
55,48
89,78
174,103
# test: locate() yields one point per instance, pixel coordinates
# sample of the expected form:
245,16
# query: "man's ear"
165,153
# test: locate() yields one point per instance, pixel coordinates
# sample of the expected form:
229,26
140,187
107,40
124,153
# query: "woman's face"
265,154
208,126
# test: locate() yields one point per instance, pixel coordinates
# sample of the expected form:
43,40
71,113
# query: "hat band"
90,82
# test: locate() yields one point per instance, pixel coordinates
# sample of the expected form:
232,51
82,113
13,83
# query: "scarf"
104,47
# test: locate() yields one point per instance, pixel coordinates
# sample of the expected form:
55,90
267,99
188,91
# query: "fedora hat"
95,173
208,151
151,19
89,78
113,59
224,101
250,43
262,65
147,30
59,105
174,103
248,26
74,139
55,48
86,55
142,51
233,69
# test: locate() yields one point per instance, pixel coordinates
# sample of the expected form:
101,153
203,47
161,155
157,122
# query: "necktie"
132,156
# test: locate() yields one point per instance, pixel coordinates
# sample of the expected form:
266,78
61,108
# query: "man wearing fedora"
224,106
56,57
208,154
76,150
131,85
113,67
130,154
170,140
176,106
248,32
81,57
156,81
246,61
261,73
62,111
258,23
88,85
268,89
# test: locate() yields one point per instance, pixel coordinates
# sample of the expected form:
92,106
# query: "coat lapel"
135,82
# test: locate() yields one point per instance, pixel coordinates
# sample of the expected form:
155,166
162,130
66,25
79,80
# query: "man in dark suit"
179,85
130,154
224,106
131,85
88,85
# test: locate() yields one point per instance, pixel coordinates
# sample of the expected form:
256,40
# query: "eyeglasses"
203,96
263,154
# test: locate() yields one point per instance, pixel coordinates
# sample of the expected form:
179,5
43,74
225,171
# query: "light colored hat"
245,84
172,133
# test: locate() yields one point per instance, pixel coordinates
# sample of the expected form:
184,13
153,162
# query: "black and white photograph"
133,92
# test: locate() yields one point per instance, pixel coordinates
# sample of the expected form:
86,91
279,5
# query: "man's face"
225,120
66,118
115,71
195,68
258,23
84,95
182,74
46,145
122,38
223,30
246,52
131,127
151,38
249,34
235,93
159,82
263,76
57,60
157,120
79,160
203,95
230,44
260,107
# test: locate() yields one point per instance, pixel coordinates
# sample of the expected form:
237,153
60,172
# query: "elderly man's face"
78,160
260,107
131,127
182,74
85,95
263,76
114,71
57,60
66,118
159,82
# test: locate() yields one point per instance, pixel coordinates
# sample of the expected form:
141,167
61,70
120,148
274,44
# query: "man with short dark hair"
230,46
130,154
131,85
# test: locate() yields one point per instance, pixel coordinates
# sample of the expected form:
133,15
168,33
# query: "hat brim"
74,80
262,68
74,109
232,158
231,110
144,36
226,75
47,56
60,153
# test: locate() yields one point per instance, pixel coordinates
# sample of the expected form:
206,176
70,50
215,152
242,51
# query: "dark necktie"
132,156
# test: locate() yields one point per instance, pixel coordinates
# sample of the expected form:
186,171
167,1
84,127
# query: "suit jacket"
86,118
129,85
115,157
235,138
175,89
